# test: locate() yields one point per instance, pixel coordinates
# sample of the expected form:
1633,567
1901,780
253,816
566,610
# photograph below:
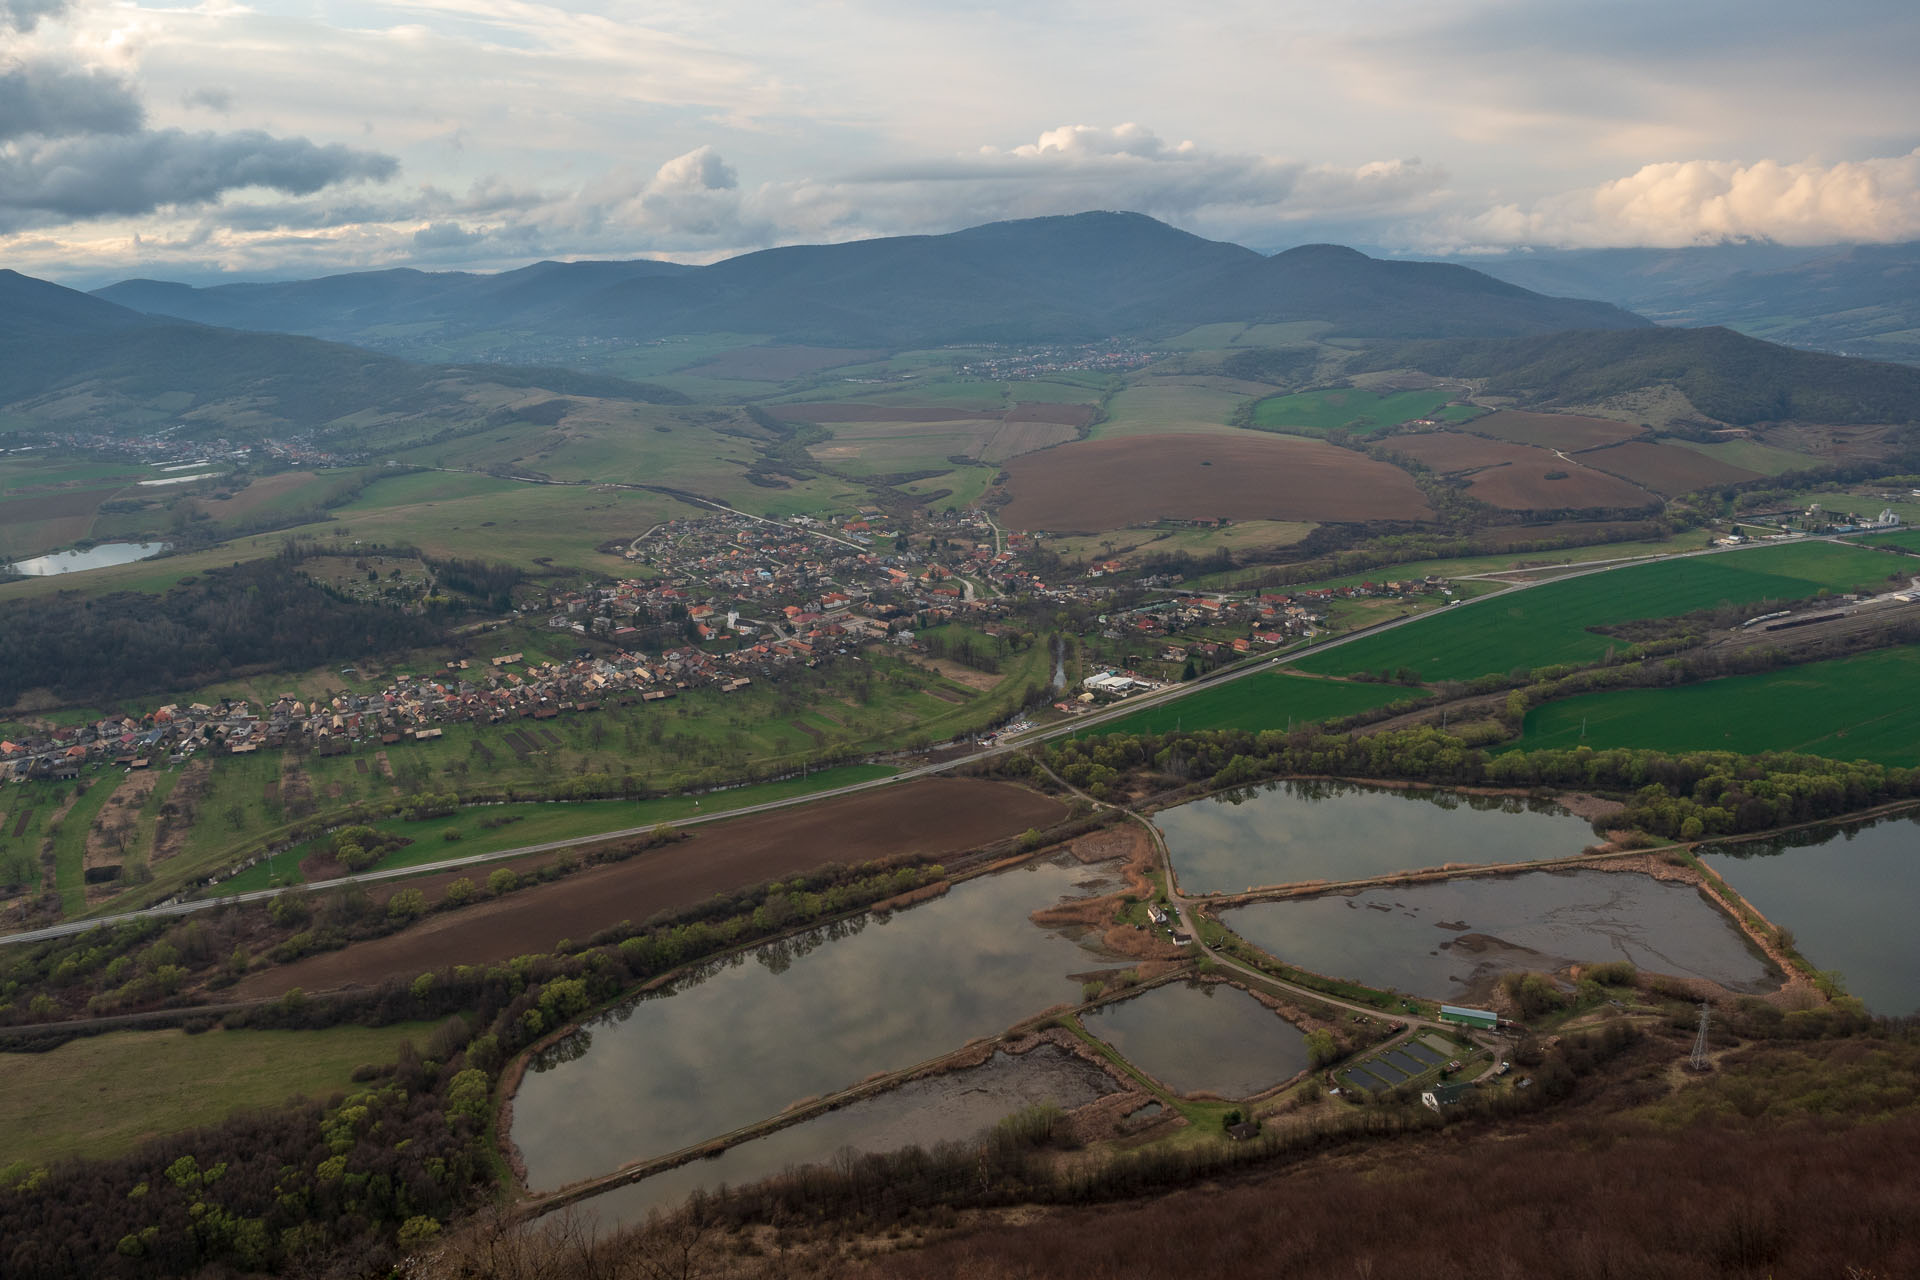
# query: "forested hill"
1079,277
1727,376
70,360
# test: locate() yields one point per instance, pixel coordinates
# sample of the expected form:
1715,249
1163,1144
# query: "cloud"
208,99
48,100
25,15
105,175
1708,201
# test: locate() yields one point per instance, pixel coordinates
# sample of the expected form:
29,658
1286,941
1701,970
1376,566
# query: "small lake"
955,1107
1453,939
1850,895
97,557
1203,1037
1287,832
801,1018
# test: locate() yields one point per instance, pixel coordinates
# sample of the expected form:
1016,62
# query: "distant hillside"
68,360
1860,300
1073,278
1727,376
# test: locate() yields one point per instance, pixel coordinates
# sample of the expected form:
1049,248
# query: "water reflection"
95,557
1850,894
739,1042
1452,939
954,1107
1203,1037
1316,830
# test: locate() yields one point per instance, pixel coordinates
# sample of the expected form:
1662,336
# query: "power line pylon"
1699,1061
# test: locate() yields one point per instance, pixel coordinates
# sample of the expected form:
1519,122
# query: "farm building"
1483,1019
1442,1096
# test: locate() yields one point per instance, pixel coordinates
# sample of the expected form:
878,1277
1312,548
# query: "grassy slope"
101,1095
1546,625
1266,701
1850,709
1317,411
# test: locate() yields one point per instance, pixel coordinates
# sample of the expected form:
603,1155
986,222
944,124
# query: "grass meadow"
1549,624
1849,709
1317,412
1270,700
99,1096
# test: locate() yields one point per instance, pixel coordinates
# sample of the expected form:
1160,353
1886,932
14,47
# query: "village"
721,602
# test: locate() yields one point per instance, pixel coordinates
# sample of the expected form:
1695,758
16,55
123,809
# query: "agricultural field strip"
1129,707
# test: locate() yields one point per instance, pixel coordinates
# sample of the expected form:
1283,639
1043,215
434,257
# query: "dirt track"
934,815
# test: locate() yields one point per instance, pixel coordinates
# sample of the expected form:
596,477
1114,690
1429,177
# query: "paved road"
1078,724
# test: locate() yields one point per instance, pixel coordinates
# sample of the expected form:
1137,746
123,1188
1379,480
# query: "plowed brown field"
935,815
1562,431
1098,485
1514,476
1666,469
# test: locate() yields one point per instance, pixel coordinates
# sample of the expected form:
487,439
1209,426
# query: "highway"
1075,725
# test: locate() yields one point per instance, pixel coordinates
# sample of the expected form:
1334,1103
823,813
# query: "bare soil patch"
1096,485
1519,477
1563,431
936,816
1664,468
777,364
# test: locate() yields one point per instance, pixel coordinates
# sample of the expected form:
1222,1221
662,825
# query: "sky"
231,141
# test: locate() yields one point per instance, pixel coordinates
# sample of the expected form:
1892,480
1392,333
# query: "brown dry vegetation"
1664,468
935,816
1564,431
177,814
1098,485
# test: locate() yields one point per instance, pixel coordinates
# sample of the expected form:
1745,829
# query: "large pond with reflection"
747,1038
1291,831
1851,897
955,1107
1453,939
1203,1037
98,556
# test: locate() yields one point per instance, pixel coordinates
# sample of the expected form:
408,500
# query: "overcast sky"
295,137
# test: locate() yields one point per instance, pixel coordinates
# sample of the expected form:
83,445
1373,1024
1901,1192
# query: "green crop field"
1851,709
1171,406
1268,701
1906,539
1547,625
1316,412
99,1096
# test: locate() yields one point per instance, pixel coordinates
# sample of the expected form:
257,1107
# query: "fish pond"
955,1107
744,1039
1850,895
1454,939
98,556
1288,832
1203,1038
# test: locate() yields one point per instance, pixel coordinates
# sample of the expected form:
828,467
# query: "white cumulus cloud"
1707,201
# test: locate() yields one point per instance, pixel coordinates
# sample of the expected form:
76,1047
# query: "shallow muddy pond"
789,1021
955,1107
1850,895
1453,939
1291,831
95,557
1203,1037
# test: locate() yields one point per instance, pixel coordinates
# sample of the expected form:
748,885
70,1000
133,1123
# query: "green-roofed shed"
1482,1019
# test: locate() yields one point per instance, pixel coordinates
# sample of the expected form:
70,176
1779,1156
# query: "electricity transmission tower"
1698,1061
